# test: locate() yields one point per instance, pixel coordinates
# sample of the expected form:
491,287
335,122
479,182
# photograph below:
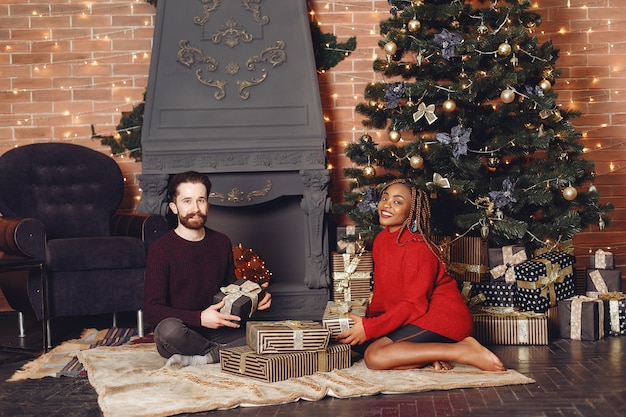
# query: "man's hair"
189,176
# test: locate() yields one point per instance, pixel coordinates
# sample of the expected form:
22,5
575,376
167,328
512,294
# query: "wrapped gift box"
336,317
352,276
511,327
465,257
544,280
286,336
243,361
602,281
617,312
583,318
502,260
602,260
241,298
495,293
349,240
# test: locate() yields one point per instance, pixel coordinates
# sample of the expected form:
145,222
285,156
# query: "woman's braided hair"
418,220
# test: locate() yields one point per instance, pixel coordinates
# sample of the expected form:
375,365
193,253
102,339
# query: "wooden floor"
574,378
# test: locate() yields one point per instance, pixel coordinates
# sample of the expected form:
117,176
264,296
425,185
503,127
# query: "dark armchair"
58,203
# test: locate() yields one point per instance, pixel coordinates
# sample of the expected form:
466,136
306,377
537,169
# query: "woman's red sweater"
411,286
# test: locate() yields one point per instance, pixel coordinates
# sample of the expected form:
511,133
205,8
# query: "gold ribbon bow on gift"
509,260
343,278
233,292
427,112
554,274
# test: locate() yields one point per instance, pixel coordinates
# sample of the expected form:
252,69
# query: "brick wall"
65,65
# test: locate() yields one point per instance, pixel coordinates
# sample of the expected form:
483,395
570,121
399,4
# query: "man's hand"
212,318
265,303
355,335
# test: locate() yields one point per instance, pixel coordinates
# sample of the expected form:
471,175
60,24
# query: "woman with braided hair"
417,316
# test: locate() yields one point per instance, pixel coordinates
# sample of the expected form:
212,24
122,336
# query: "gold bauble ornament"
482,29
592,188
569,193
391,48
455,24
507,95
545,85
492,163
504,49
416,162
366,138
449,105
414,25
369,171
394,136
484,231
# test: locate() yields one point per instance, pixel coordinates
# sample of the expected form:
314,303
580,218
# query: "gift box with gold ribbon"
583,318
352,274
286,336
336,315
274,367
543,281
508,326
603,281
466,257
502,260
494,293
617,312
240,298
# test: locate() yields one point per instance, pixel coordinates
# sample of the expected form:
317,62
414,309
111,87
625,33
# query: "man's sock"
212,356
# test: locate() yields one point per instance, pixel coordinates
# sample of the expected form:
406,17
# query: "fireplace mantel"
233,93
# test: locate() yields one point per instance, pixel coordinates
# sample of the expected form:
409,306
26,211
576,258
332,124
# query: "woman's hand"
355,335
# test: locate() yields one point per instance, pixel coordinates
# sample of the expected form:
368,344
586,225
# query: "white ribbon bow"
427,112
509,260
439,181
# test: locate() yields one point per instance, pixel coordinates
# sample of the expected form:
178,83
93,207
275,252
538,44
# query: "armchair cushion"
89,254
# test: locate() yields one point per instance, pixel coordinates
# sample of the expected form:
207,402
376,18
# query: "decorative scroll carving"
274,54
260,193
220,85
232,32
256,11
236,195
187,54
208,6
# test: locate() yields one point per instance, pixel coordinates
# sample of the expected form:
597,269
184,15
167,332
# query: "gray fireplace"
233,93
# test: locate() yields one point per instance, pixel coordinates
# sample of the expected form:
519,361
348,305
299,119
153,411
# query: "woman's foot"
479,356
442,366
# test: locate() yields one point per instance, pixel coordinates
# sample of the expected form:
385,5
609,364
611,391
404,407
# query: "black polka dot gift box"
544,280
496,293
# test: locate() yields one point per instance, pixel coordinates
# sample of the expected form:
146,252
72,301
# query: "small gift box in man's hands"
241,298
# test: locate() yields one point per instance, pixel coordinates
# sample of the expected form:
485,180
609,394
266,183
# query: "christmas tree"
472,117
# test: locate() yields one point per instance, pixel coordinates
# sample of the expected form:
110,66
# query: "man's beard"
193,224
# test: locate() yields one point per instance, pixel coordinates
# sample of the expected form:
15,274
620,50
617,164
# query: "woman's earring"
414,226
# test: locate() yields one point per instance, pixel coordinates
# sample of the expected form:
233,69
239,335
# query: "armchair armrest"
147,227
23,237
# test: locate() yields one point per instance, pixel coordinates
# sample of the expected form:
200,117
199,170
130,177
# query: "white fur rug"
131,382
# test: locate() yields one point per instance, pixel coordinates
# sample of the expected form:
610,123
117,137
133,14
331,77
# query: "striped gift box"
467,257
515,328
286,336
352,275
276,367
336,317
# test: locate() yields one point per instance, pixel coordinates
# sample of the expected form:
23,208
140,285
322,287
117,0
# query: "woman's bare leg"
385,354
